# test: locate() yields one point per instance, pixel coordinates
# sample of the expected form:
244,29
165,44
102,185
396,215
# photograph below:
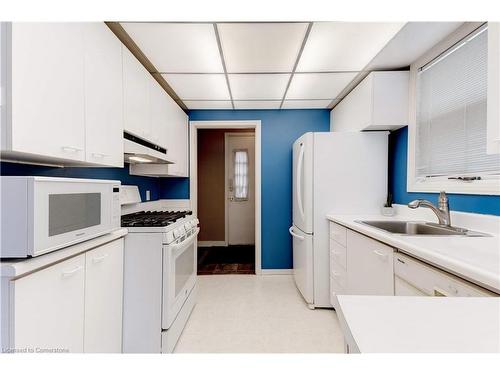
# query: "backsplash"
160,188
398,150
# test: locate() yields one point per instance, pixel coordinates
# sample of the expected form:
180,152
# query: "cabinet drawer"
338,233
338,254
339,275
432,281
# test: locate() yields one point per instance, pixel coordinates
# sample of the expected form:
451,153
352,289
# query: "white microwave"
43,214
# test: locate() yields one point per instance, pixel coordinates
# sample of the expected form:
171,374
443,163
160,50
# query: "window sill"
483,187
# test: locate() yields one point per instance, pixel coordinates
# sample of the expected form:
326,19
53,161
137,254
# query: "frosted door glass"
241,175
70,212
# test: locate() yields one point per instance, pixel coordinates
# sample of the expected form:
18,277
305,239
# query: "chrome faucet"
442,211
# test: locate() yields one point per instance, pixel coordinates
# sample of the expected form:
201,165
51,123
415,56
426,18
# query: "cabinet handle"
99,155
380,255
99,259
71,149
71,272
335,274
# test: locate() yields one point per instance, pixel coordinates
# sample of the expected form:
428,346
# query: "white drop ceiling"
261,65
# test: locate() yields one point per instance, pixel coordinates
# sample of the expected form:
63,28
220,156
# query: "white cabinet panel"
159,114
178,140
136,82
48,307
379,102
103,298
103,96
370,268
47,89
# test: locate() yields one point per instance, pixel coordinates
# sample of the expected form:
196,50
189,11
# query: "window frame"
489,184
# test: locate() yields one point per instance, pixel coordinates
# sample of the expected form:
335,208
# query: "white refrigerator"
336,172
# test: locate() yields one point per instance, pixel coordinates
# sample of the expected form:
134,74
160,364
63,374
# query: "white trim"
276,271
193,167
485,186
211,243
493,135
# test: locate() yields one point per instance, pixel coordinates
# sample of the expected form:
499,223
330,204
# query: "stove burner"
152,218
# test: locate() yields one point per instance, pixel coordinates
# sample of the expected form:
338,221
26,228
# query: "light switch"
148,195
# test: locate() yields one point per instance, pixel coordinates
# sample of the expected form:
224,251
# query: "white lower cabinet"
104,298
370,267
74,305
49,308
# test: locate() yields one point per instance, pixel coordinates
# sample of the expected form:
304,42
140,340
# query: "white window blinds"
241,174
451,112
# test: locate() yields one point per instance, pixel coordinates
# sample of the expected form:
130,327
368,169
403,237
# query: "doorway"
225,195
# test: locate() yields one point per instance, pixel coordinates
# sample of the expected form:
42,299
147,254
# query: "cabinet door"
159,114
103,96
48,307
178,140
135,96
370,268
47,89
104,298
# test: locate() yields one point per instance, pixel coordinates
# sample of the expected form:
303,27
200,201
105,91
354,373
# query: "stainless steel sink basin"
419,228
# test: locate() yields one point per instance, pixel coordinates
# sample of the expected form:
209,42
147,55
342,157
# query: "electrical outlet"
148,195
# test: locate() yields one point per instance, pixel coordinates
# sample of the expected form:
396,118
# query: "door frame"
226,178
193,171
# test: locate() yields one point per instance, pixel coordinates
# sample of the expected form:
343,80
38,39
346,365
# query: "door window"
241,175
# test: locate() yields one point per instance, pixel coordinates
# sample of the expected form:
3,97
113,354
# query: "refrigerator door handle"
294,234
299,181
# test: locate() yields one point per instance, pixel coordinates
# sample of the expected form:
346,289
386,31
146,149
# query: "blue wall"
280,128
398,149
161,188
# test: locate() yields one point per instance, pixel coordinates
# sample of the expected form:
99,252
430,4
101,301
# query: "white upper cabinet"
379,102
103,96
159,114
136,87
178,141
45,98
64,96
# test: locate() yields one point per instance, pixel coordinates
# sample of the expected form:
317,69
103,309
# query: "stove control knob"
194,224
197,221
170,237
187,226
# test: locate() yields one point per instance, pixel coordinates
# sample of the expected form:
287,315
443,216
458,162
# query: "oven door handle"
186,242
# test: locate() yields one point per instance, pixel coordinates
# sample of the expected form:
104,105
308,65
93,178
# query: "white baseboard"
284,271
211,243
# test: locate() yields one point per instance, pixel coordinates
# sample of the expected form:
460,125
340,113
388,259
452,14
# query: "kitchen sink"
419,228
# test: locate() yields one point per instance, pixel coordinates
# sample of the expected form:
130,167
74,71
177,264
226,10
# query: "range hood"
139,151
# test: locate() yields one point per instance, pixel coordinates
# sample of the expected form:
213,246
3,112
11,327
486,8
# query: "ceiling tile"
178,47
208,104
290,104
261,47
199,86
257,104
258,86
318,85
344,46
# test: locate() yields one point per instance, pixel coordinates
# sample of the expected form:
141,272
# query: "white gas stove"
160,270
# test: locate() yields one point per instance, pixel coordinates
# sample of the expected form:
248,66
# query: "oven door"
179,275
66,213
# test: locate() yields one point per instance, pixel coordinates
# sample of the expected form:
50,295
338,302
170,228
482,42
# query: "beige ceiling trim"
304,41
128,42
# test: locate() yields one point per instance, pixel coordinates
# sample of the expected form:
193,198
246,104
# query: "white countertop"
386,324
20,267
476,259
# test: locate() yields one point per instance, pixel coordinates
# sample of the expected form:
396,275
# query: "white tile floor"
257,314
